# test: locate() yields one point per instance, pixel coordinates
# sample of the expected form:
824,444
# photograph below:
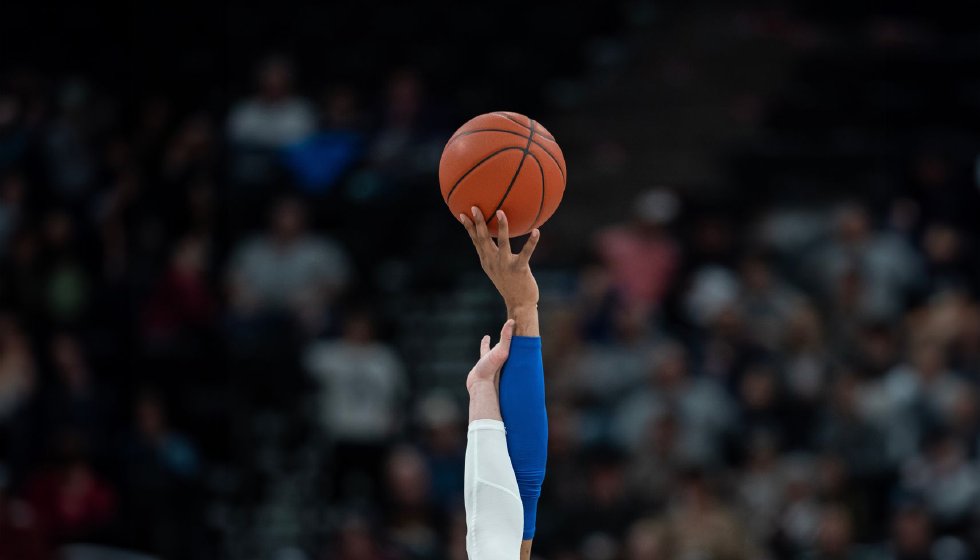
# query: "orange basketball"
503,161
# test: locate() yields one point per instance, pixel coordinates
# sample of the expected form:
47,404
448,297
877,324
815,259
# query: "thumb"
506,334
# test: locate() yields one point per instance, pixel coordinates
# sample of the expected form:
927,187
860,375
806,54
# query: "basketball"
503,161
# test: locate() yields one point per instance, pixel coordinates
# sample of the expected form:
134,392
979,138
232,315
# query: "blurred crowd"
818,401
145,309
200,358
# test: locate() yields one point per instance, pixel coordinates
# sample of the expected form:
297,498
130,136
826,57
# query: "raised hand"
487,369
510,273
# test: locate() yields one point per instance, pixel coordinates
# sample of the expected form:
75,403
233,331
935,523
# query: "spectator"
403,149
191,152
654,468
806,363
949,481
879,267
275,116
704,410
66,285
949,266
68,143
703,526
288,269
444,446
761,414
182,301
78,402
599,522
566,480
642,256
321,160
799,520
648,539
603,372
911,535
362,389
834,536
20,536
844,431
913,396
160,466
760,487
17,369
156,446
356,541
767,302
412,522
72,502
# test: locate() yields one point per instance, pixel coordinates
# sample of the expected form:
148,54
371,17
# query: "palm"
509,272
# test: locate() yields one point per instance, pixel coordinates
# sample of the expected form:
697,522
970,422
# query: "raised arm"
494,514
522,399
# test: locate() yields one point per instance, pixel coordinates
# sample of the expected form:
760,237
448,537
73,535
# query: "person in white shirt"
289,267
274,117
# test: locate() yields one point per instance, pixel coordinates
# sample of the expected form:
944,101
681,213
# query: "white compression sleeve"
494,514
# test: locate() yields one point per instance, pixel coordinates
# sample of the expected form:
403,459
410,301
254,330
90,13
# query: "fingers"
468,224
529,245
471,230
506,334
503,232
484,345
482,233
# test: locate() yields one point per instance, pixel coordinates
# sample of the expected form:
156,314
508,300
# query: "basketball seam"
478,164
552,156
519,123
540,204
517,172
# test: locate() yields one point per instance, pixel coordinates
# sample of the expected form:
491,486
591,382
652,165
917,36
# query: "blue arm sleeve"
526,419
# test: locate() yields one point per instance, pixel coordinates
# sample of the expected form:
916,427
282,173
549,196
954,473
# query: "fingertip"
501,217
535,233
475,211
462,218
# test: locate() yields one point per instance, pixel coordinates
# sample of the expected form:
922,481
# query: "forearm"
493,506
522,406
526,324
526,550
484,401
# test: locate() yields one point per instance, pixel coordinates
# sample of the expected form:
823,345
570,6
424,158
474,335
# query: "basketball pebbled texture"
503,161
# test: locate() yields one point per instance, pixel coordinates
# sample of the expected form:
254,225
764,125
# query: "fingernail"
475,210
462,217
535,234
500,215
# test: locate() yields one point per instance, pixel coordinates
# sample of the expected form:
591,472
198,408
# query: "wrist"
481,386
525,318
484,400
515,310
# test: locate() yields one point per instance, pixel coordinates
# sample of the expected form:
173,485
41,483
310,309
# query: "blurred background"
236,317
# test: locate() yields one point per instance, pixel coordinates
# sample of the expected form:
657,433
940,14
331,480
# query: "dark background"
235,316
